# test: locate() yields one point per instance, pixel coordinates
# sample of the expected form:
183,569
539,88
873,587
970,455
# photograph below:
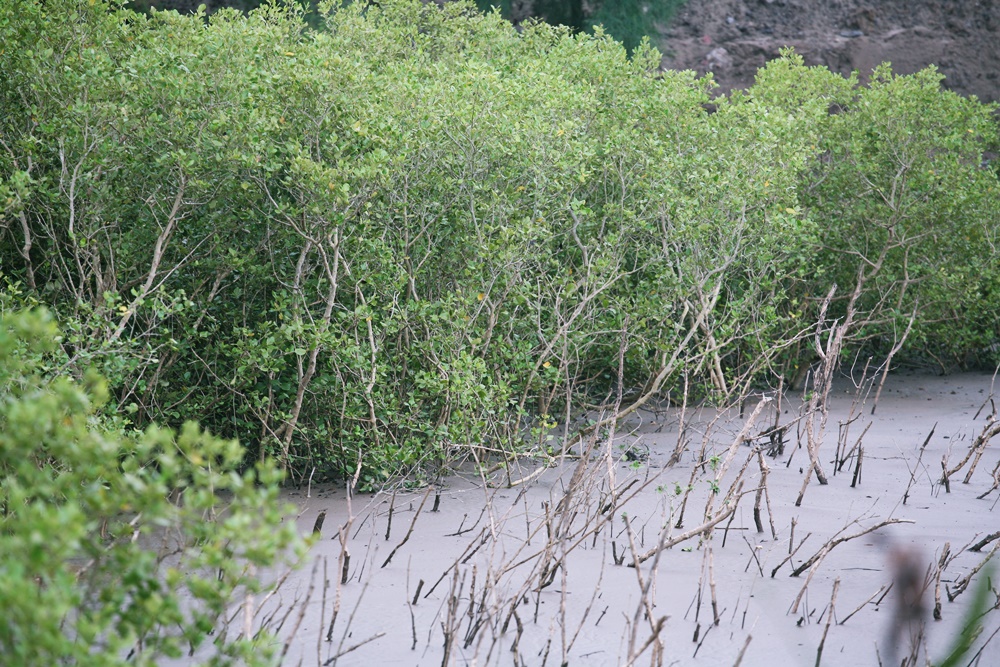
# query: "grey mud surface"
481,554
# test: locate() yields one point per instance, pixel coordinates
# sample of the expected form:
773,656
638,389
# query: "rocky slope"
732,38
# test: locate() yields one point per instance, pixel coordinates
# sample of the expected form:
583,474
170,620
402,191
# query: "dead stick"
322,613
830,545
388,523
703,637
753,557
711,586
978,546
474,546
977,447
354,647
829,617
725,532
511,483
448,626
857,467
862,605
410,530
654,635
673,541
983,441
892,353
318,526
857,443
989,399
942,563
996,482
739,658
963,582
913,473
790,555
760,491
767,502
416,596
812,572
302,610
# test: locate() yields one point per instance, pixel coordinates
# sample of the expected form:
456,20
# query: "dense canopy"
416,233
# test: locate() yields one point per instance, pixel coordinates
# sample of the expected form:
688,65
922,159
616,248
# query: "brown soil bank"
732,38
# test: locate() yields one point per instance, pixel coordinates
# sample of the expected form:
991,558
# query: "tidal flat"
683,536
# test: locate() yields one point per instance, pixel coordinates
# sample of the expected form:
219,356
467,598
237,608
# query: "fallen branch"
791,552
704,528
864,604
976,450
978,546
833,543
353,647
963,582
996,482
980,444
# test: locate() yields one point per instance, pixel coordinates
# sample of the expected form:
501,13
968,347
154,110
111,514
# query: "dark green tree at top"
561,12
626,20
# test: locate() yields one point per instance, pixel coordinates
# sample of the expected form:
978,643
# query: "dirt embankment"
733,38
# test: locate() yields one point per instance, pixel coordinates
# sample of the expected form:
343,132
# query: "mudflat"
682,538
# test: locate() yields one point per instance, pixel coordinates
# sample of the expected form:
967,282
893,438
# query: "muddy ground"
476,571
733,38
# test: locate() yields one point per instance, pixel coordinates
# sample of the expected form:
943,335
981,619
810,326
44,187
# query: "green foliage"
907,209
118,548
417,232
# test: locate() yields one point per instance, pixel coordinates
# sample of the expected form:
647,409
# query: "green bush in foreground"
115,549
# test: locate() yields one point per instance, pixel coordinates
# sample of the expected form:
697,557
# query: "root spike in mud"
318,526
